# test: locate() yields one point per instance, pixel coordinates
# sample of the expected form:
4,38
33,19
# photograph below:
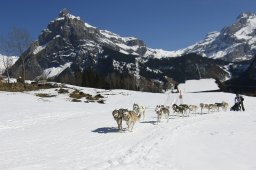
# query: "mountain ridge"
236,42
70,49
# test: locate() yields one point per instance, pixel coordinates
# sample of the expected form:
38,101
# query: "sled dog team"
133,116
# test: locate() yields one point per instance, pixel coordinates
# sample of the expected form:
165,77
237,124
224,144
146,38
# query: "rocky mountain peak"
246,15
244,21
64,12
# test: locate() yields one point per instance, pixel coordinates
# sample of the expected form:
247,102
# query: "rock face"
233,43
251,72
69,46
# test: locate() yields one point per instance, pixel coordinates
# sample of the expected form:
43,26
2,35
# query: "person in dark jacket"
240,101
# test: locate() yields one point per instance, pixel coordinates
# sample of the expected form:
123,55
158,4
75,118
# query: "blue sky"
166,24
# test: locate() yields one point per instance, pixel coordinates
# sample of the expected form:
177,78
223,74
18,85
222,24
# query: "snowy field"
56,134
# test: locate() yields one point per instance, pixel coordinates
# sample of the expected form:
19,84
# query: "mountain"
236,42
72,51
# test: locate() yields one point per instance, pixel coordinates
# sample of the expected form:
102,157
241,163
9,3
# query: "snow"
72,16
69,16
201,47
244,32
160,53
154,70
115,39
218,54
126,47
54,71
54,133
40,48
124,52
109,35
88,25
59,19
198,86
57,36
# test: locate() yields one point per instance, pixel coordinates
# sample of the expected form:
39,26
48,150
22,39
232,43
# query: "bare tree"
15,43
7,62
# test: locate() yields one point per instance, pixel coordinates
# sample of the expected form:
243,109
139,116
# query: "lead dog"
131,117
118,116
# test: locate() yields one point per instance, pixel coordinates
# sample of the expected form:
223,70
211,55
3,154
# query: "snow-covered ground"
198,86
54,133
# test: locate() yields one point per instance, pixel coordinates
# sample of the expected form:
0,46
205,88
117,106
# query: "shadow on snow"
106,130
151,122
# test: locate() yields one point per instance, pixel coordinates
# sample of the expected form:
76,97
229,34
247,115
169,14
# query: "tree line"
114,80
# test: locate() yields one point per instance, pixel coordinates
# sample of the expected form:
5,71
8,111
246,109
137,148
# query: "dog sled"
236,107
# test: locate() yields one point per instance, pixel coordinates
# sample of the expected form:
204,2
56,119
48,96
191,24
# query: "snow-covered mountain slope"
236,42
54,133
2,57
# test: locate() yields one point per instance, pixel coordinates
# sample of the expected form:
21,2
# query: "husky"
140,110
214,107
118,116
207,106
177,109
201,106
192,108
162,111
223,105
185,108
131,117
